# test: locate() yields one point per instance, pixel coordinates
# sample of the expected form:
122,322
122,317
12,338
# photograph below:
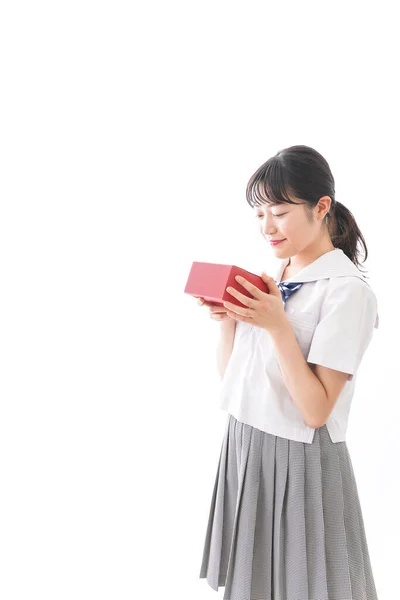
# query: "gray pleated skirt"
285,520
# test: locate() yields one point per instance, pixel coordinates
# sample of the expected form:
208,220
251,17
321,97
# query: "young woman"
285,520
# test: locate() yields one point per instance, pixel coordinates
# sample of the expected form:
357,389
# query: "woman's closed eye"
280,215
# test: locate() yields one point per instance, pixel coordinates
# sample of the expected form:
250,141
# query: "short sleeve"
347,320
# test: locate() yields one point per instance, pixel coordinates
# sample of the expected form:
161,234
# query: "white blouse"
333,316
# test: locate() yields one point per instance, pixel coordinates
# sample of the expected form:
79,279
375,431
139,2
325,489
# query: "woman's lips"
274,243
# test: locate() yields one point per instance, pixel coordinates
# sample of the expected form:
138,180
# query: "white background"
128,134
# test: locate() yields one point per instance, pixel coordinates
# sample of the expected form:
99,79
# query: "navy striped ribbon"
287,289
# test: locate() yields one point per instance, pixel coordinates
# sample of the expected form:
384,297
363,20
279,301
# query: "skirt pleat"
285,521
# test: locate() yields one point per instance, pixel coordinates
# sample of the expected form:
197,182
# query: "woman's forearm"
225,344
305,388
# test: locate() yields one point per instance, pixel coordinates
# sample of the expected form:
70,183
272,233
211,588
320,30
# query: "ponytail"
345,233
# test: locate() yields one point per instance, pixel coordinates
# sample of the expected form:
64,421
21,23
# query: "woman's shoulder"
349,285
352,295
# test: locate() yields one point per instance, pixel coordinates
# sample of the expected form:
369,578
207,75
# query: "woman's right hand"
216,311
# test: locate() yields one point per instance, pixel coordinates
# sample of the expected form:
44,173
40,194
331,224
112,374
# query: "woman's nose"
268,226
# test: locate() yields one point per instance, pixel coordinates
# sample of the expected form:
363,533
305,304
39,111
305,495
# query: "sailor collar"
334,263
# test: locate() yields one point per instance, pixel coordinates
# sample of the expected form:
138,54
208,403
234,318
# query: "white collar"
334,263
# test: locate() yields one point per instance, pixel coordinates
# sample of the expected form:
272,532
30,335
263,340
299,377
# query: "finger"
233,308
242,297
253,289
220,309
238,317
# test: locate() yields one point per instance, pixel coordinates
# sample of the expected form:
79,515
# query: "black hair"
302,172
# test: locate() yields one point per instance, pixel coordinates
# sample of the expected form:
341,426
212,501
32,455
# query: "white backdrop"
128,134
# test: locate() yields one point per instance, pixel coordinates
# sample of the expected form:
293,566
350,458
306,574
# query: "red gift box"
210,280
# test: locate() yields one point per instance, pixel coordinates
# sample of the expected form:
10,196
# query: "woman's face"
291,223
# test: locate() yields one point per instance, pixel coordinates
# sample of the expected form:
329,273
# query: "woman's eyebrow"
274,206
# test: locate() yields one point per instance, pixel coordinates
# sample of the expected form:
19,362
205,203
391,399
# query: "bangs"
268,185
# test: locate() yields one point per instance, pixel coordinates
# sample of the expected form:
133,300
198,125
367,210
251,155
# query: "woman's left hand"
264,310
